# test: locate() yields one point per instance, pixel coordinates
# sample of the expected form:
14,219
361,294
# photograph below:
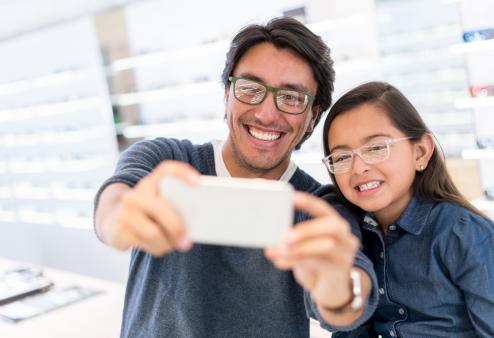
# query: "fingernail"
283,251
291,237
184,244
193,178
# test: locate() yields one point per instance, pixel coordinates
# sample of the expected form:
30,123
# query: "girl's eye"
341,157
375,147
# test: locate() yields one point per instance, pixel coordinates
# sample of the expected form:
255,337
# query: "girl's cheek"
343,183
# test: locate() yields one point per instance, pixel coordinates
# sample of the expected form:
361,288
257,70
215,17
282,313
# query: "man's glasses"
340,161
287,100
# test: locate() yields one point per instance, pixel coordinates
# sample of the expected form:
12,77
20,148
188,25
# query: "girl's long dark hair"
434,182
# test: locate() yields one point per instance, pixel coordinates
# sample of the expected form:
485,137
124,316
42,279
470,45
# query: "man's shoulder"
171,149
329,193
145,155
302,181
171,146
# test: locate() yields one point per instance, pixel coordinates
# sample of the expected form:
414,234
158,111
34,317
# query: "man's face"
261,137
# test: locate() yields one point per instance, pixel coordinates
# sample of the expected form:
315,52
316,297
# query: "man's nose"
267,111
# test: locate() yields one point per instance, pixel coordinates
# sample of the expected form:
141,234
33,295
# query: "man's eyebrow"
284,85
366,140
251,76
295,86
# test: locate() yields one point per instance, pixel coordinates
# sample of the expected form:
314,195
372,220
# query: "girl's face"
381,188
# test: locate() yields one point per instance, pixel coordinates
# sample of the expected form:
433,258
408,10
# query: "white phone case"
232,211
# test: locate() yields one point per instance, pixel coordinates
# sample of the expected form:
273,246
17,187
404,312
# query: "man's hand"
320,252
139,217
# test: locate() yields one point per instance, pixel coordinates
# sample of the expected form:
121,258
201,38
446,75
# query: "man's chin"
265,164
260,161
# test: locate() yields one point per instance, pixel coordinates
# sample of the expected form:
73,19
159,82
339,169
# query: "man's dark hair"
288,33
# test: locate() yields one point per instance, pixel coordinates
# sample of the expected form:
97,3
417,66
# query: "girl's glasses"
340,161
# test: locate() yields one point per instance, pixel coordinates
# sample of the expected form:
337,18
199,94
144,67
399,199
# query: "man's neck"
238,168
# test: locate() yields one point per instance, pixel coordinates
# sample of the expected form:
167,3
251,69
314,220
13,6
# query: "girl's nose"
359,166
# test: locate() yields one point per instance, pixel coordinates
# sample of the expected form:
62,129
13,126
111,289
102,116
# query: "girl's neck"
384,221
392,212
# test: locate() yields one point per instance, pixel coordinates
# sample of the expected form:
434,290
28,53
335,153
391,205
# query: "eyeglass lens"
252,92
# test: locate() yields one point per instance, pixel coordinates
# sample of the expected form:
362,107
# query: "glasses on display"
340,161
287,100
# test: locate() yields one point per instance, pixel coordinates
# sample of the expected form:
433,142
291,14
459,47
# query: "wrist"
355,302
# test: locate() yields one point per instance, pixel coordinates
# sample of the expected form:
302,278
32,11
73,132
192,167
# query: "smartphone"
241,212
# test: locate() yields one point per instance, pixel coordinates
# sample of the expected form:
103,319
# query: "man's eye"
288,97
251,90
291,99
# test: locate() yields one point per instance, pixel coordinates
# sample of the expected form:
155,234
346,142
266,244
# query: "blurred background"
82,80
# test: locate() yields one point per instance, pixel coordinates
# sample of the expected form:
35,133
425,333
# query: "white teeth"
264,136
368,186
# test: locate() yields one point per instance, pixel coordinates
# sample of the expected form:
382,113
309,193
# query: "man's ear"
315,113
227,93
226,96
424,149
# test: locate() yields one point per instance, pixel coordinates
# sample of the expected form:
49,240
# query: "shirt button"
401,311
391,333
381,291
392,227
381,255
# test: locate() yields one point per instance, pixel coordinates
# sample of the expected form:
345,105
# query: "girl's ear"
424,149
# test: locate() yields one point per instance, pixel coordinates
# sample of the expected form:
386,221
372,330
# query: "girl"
433,251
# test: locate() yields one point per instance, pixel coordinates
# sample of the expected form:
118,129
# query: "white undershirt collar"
222,171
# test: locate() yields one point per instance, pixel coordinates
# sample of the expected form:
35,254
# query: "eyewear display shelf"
57,145
416,58
477,48
57,138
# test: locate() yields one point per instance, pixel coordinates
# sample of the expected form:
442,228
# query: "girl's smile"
383,188
368,188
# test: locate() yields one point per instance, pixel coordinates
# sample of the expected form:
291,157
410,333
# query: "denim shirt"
435,272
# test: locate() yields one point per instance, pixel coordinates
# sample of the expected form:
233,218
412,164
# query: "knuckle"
128,199
175,230
119,239
354,243
161,250
152,233
328,246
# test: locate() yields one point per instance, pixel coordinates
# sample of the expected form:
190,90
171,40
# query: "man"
278,80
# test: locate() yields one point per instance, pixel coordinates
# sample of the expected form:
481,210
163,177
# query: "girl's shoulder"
454,212
461,240
450,220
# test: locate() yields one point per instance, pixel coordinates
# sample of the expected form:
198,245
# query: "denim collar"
413,219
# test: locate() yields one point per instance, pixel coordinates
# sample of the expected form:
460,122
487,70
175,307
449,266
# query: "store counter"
97,317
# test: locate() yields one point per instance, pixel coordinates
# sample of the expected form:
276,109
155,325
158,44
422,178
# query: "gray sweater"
212,291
